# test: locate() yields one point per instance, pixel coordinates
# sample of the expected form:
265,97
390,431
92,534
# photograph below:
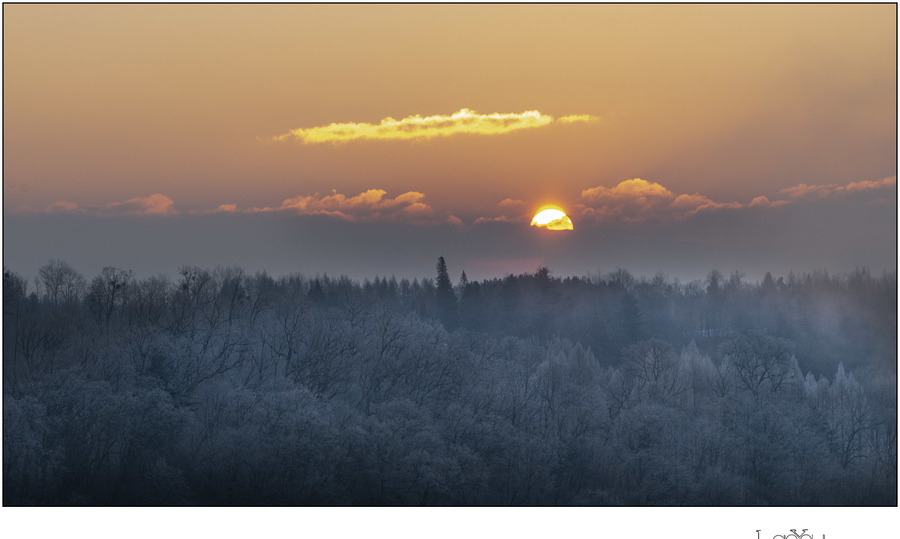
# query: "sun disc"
552,219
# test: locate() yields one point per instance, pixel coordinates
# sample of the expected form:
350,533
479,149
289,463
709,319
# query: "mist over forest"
218,387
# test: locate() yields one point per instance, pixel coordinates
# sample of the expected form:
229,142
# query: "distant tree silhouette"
108,290
446,299
768,284
443,278
60,283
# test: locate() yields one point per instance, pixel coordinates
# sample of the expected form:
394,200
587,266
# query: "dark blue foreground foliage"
222,388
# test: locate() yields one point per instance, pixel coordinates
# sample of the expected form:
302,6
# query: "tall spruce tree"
446,299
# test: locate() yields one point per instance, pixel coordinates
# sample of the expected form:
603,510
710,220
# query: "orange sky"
679,109
107,103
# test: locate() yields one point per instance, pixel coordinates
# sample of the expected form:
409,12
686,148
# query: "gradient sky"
371,139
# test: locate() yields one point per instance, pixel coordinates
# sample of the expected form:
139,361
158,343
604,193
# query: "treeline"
218,387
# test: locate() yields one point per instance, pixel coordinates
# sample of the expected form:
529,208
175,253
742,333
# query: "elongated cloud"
503,219
638,200
803,190
224,208
370,205
155,204
152,205
511,203
868,185
576,118
464,121
61,206
826,190
635,192
511,211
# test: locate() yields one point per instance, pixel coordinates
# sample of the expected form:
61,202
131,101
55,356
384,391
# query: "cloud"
826,190
508,202
803,190
634,191
577,118
454,220
370,205
633,200
867,185
638,200
464,121
511,212
502,219
693,204
224,208
155,204
61,206
764,202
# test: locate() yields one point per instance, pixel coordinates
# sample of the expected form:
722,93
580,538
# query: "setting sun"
552,219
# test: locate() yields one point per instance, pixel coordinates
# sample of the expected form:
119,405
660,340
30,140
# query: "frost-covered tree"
60,283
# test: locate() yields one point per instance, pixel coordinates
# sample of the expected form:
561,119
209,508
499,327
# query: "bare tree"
655,367
761,361
60,283
108,291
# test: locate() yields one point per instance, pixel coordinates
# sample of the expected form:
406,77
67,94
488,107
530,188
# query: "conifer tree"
446,299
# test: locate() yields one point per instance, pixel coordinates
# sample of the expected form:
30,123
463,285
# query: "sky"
368,140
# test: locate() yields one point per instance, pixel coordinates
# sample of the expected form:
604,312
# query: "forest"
217,387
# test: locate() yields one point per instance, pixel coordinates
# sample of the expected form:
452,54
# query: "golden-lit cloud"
693,204
155,204
825,190
764,202
509,202
454,220
370,205
637,200
577,118
224,208
464,121
511,211
803,190
633,192
630,200
866,185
